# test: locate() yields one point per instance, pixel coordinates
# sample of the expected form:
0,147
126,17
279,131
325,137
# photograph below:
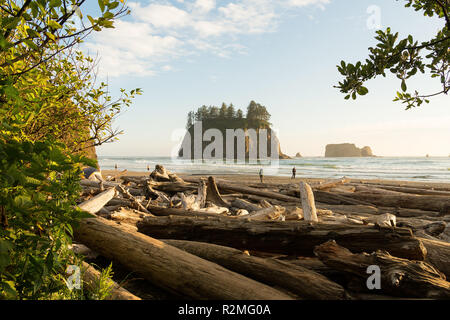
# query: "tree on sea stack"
48,96
404,58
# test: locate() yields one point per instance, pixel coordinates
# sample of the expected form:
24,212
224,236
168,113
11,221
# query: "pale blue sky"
280,53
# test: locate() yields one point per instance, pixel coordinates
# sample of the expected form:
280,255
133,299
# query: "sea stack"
347,150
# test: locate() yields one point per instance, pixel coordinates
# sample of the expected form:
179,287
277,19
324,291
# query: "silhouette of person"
261,175
294,172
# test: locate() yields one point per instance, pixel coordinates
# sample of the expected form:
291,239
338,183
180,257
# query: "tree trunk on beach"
305,283
297,238
168,267
399,277
411,201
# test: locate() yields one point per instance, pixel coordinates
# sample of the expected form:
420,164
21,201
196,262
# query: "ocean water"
433,169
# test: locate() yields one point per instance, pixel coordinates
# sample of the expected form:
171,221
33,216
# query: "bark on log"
305,283
127,195
94,204
256,192
91,277
331,184
172,186
399,277
270,213
407,184
213,194
416,191
168,267
429,203
161,211
96,184
289,237
242,204
342,198
308,203
129,216
438,254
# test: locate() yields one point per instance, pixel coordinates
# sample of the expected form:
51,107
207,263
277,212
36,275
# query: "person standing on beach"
148,167
115,166
261,175
294,171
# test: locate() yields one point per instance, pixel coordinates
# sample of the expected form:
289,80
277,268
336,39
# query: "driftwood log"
168,267
213,194
411,201
162,211
246,205
305,283
96,203
438,254
290,237
399,277
308,203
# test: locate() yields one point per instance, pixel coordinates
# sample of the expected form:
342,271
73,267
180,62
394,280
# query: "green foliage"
103,285
404,58
227,116
50,108
38,189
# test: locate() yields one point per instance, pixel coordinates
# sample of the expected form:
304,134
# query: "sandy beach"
248,179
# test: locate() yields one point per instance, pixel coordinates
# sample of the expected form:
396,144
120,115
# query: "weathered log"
341,198
431,228
160,174
127,195
94,204
213,194
305,283
386,220
293,213
399,277
121,202
172,186
430,203
408,184
161,211
168,267
330,184
412,190
314,264
257,192
289,237
438,254
129,216
150,192
91,278
308,203
96,184
270,213
242,204
339,219
138,180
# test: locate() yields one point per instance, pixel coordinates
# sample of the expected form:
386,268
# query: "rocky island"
347,150
226,134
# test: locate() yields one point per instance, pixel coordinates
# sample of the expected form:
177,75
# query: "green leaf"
404,88
9,288
101,5
54,24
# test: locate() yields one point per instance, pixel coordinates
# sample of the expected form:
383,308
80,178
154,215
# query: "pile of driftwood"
202,238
